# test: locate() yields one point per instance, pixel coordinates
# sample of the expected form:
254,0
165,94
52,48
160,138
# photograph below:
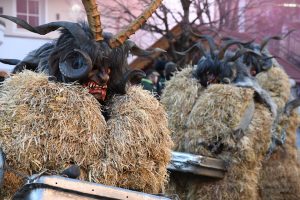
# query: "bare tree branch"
232,15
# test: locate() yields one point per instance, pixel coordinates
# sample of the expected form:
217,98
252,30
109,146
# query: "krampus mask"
215,66
85,54
261,59
221,65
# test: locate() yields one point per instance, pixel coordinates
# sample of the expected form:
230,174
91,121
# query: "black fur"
47,58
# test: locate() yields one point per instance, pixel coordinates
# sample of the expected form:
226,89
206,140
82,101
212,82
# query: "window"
29,10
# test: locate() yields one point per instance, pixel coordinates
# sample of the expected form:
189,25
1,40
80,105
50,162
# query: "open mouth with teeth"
98,91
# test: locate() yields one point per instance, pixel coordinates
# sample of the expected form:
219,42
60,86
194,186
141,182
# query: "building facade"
18,42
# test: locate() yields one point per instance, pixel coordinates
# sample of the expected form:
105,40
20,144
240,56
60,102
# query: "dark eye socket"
77,63
76,60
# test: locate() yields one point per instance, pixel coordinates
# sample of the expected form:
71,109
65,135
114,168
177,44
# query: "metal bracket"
2,164
196,164
57,187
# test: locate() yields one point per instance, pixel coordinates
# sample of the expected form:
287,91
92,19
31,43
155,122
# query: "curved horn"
121,37
241,52
74,28
236,56
10,61
135,50
224,48
134,76
234,39
268,63
228,44
211,42
227,38
70,70
216,33
266,40
291,105
198,45
93,16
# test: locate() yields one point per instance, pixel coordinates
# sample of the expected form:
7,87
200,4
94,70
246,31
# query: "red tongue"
95,91
99,91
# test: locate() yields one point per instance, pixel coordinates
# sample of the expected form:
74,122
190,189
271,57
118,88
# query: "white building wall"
50,10
17,43
18,48
2,28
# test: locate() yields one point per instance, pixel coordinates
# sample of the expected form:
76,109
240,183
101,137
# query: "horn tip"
160,50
